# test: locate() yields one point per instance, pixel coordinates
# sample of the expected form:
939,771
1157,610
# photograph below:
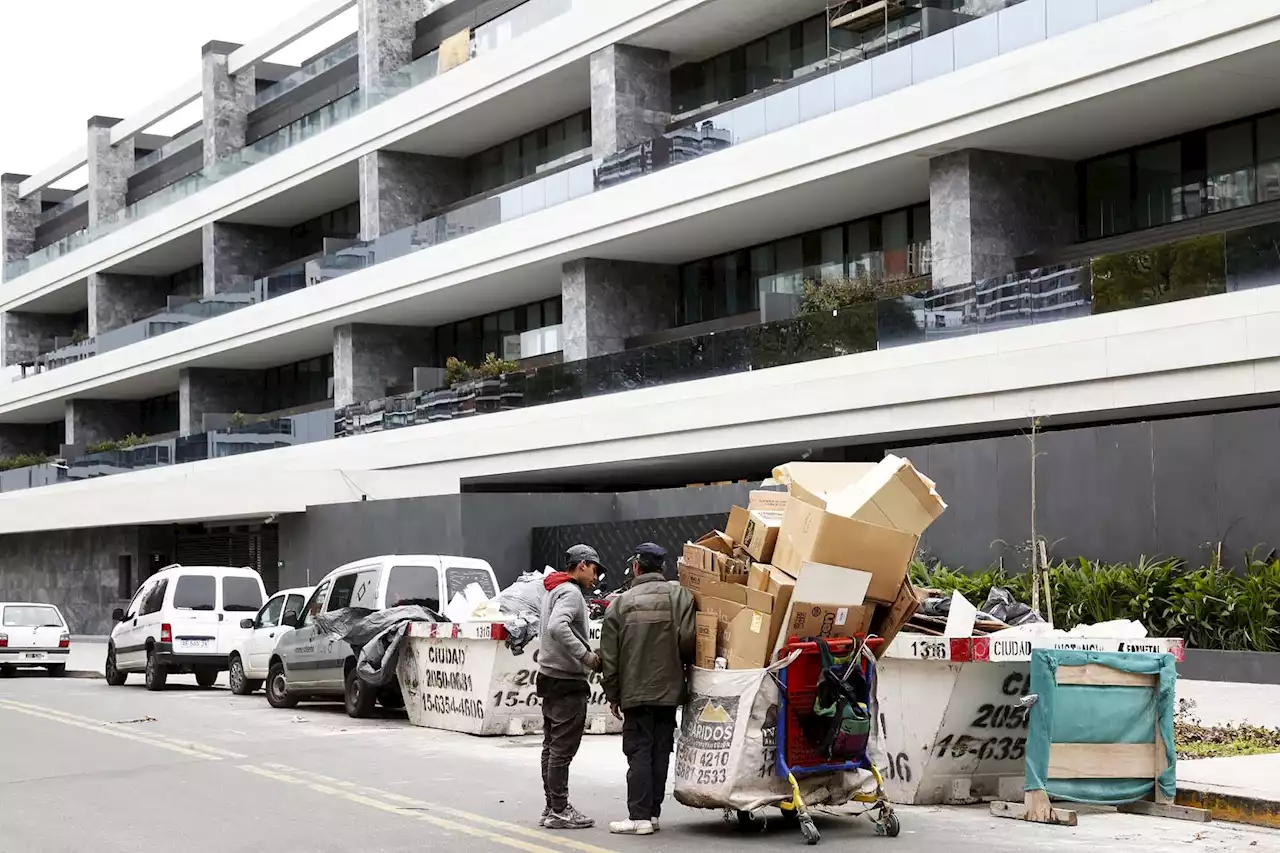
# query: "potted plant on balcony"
490,388
461,378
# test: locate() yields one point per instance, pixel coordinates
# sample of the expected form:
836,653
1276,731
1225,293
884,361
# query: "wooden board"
1020,811
454,51
1146,807
1097,675
1101,760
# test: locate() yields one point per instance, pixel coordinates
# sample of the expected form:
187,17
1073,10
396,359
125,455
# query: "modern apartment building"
692,239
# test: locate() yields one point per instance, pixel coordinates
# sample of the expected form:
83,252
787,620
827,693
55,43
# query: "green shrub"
1210,607
23,460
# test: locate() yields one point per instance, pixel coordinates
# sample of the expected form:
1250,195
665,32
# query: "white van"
183,619
307,664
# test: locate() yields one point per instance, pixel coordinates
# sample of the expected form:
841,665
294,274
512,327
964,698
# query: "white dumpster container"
456,676
951,729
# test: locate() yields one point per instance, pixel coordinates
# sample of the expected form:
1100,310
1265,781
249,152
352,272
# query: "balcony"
833,321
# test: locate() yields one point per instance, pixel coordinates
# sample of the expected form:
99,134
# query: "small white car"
33,635
252,655
183,619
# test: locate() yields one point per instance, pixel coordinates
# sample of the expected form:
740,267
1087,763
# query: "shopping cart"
798,756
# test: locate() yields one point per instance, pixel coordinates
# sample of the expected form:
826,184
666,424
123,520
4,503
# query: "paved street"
199,771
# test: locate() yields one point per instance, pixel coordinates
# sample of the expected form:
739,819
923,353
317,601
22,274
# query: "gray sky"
66,60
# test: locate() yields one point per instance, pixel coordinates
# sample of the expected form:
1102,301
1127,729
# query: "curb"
1233,808
84,673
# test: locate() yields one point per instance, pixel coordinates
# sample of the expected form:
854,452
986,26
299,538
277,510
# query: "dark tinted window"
315,605
343,588
240,594
155,598
413,585
294,603
198,592
459,578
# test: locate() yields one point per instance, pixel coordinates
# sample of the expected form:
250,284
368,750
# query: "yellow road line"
370,802
186,747
541,835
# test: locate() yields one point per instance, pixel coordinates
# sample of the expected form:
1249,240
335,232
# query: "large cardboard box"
811,482
747,636
809,534
890,493
716,563
828,620
707,629
761,534
708,584
767,501
698,557
888,620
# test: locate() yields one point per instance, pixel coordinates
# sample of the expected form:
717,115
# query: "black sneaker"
546,813
570,818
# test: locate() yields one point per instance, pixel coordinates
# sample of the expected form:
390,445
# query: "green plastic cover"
1069,713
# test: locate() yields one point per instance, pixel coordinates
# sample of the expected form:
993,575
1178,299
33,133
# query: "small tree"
494,366
456,370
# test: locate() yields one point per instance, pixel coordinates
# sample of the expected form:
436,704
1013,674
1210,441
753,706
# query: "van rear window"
196,592
413,585
241,594
460,577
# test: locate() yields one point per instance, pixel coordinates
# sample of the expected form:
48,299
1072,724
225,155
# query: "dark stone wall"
1172,488
75,569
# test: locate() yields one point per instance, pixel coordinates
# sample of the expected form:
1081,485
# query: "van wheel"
359,697
115,677
241,685
278,688
156,675
206,677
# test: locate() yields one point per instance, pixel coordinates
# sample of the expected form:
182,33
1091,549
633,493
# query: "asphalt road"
87,766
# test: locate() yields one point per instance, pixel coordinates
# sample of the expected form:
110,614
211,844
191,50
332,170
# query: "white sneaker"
654,822
632,827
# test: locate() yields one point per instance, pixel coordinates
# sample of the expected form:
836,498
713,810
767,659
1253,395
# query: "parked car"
183,619
33,635
252,655
307,664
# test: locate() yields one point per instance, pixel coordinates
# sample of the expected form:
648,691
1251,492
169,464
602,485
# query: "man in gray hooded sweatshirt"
565,662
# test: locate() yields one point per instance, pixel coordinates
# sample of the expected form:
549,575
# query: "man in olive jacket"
646,647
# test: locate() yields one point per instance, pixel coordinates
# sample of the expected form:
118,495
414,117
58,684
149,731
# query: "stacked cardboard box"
827,558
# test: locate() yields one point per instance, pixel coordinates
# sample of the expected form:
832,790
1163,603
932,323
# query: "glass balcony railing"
81,197
1184,269
181,142
337,112
340,54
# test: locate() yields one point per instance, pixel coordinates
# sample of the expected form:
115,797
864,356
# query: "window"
499,333
295,604
124,575
154,602
343,588
413,585
1107,197
1268,144
269,616
31,617
136,605
160,415
196,592
459,578
316,605
535,152
1229,182
240,594
301,383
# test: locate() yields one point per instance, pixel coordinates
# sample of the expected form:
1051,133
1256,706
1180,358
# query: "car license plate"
197,645
34,656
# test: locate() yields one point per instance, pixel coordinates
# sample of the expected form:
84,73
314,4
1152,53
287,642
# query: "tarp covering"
1071,713
377,634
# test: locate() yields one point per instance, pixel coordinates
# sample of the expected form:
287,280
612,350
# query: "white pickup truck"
309,664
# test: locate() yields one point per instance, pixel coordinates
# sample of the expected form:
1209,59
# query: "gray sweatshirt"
562,639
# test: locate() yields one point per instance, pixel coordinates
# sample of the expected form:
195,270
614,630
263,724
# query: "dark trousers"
648,736
564,717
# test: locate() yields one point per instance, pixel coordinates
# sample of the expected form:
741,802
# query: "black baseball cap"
651,555
584,554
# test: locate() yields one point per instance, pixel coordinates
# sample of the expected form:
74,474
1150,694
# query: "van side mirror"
117,615
246,623
290,618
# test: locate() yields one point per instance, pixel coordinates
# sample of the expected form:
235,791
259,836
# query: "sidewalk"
88,655
1222,703
1245,789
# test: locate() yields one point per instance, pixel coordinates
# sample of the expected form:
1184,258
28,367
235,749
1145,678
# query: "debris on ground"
139,720
1196,740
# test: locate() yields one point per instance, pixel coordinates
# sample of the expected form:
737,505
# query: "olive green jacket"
647,644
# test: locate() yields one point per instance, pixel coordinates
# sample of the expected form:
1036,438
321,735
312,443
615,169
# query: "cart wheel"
889,824
809,831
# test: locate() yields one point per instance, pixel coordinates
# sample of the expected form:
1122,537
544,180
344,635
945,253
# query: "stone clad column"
18,218
22,440
630,97
235,255
398,190
987,209
116,301
228,100
94,421
207,391
387,31
608,302
26,336
369,359
109,167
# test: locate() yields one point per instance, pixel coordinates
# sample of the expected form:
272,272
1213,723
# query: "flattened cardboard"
809,534
706,626
888,621
827,584
812,482
737,527
761,534
705,583
717,541
698,557
828,620
893,494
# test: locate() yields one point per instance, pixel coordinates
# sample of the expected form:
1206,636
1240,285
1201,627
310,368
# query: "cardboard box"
828,620
889,620
747,636
811,482
762,534
767,501
781,586
736,529
706,583
707,628
717,541
758,576
731,569
698,557
891,493
811,535
721,565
